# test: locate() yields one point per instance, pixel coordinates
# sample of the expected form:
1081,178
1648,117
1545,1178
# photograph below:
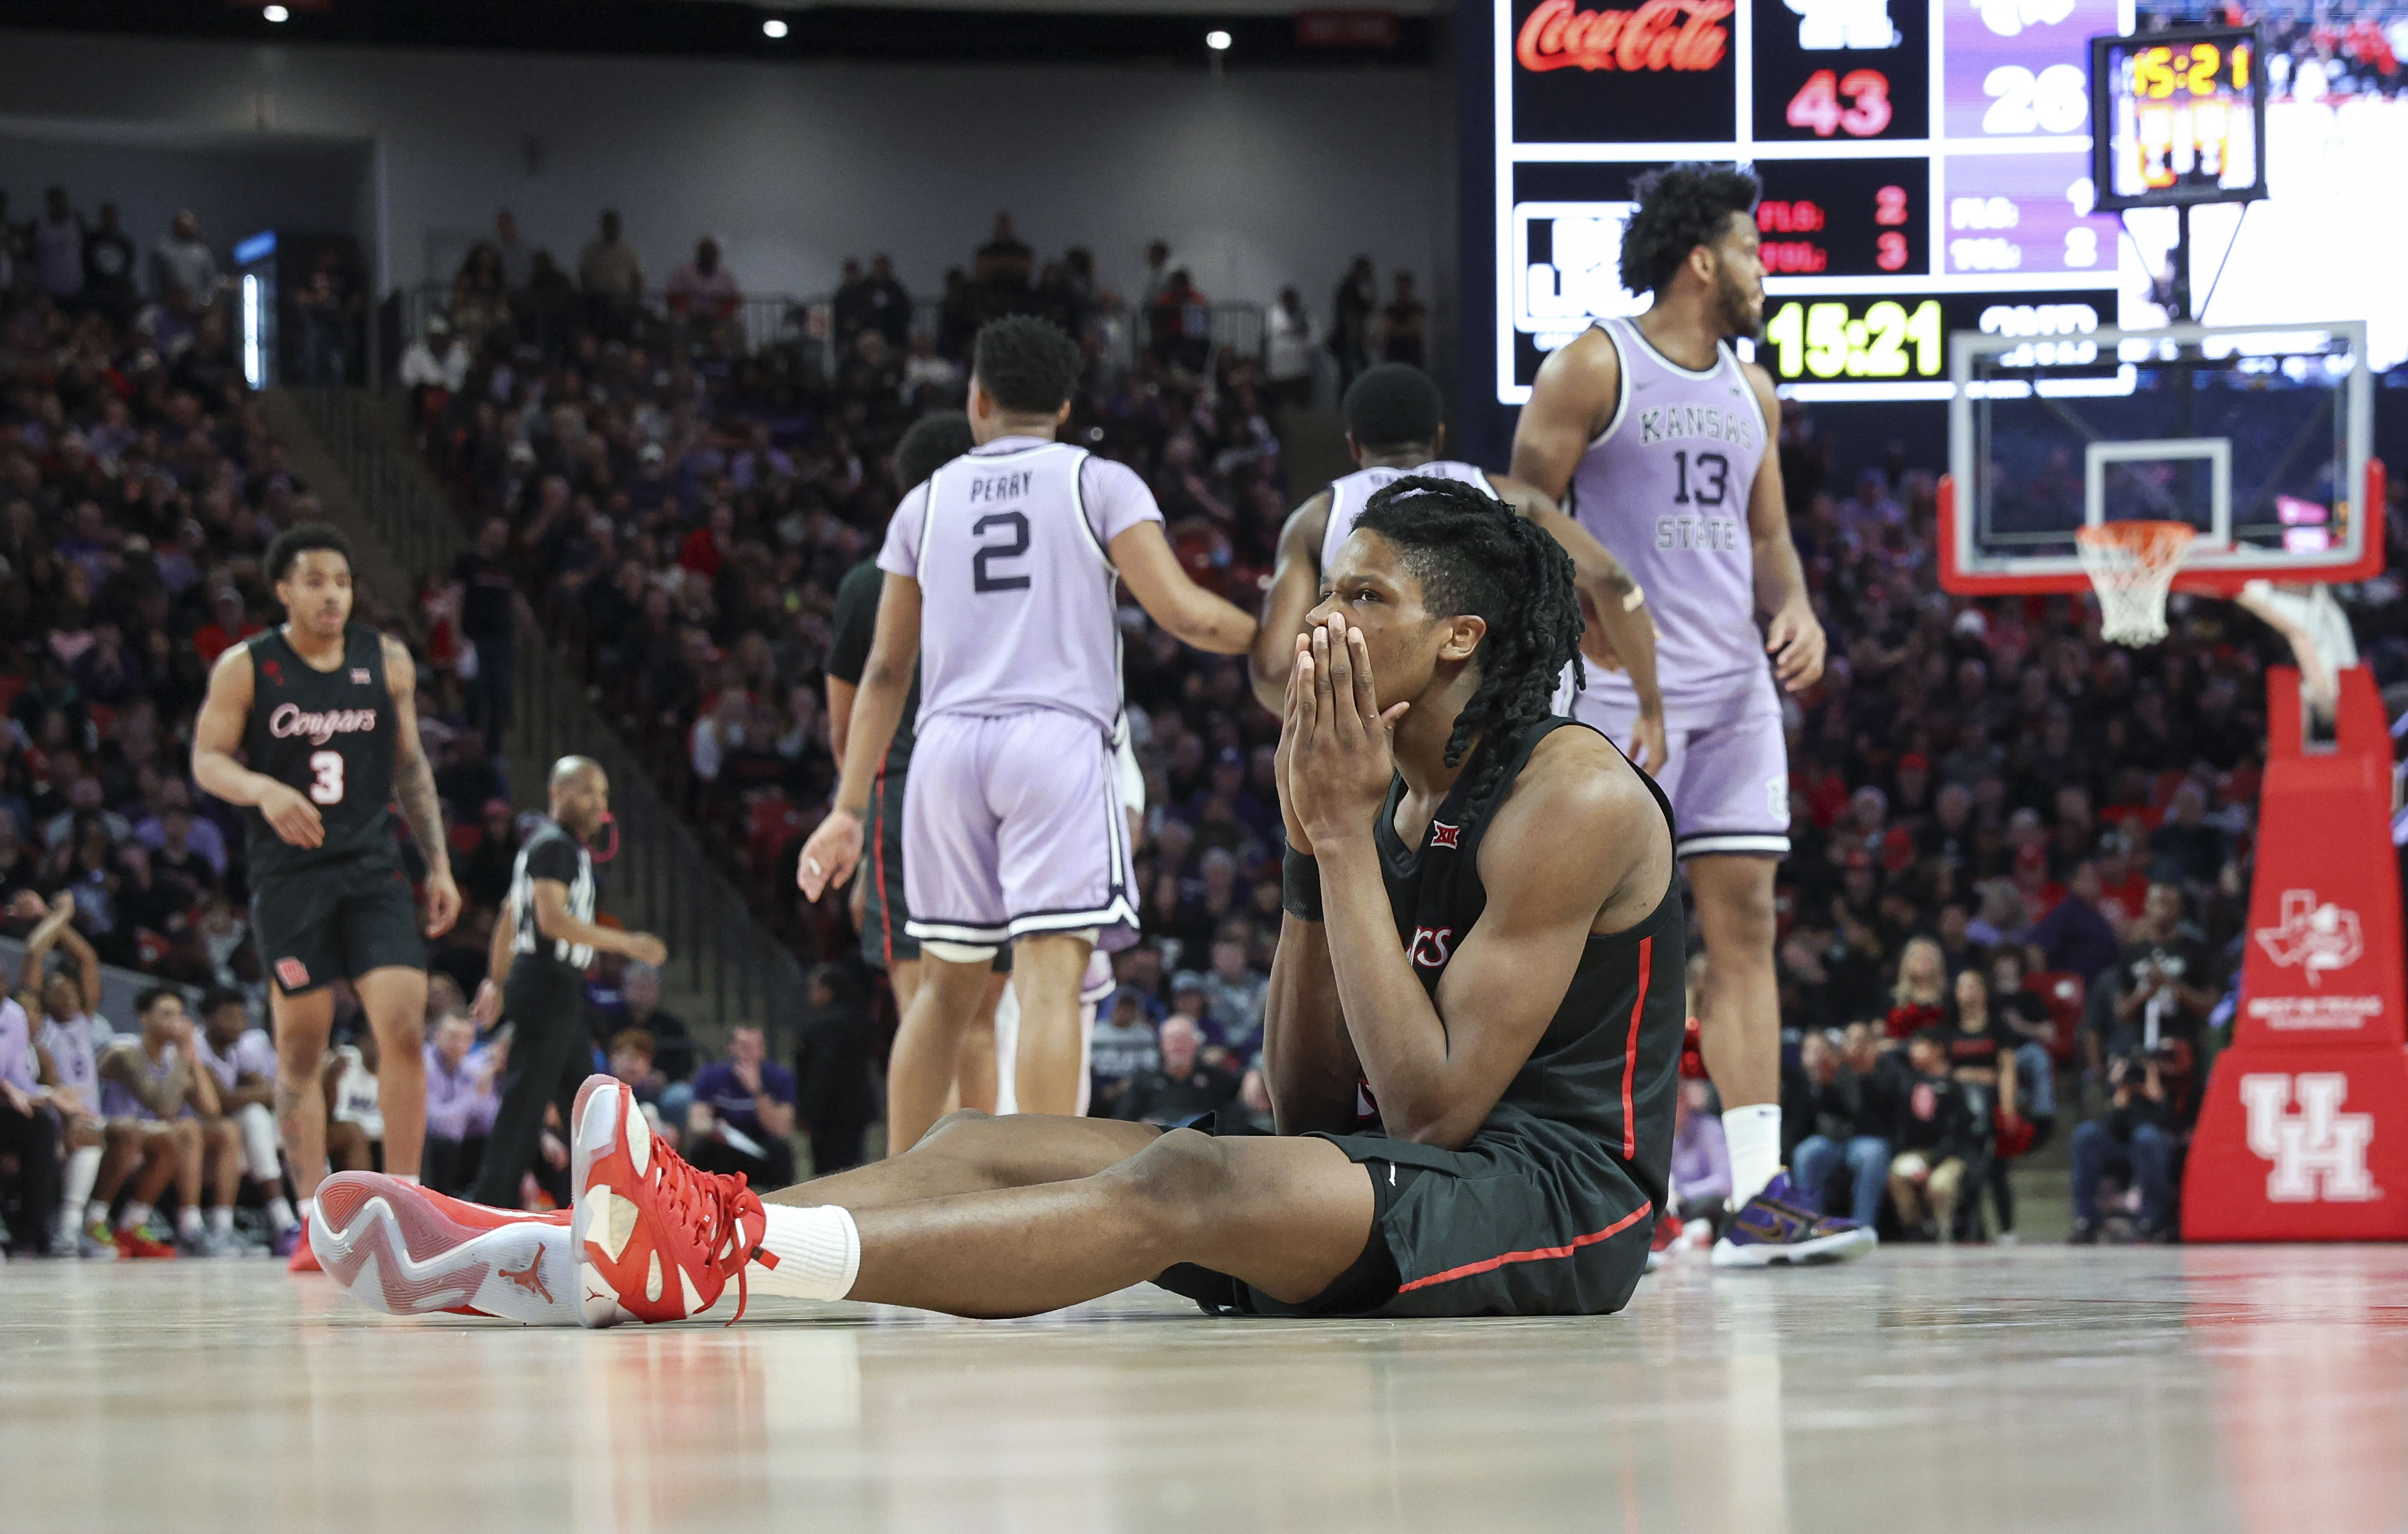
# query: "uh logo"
2318,1151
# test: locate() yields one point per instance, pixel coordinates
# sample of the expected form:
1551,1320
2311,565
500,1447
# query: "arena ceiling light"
1217,40
276,15
773,28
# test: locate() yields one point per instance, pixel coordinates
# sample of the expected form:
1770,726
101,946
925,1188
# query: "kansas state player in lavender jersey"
1000,580
1659,440
1395,427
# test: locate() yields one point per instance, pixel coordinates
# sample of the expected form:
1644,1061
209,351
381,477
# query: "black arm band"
1301,887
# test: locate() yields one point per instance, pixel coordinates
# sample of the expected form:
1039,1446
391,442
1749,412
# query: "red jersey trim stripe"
1492,1263
1630,1051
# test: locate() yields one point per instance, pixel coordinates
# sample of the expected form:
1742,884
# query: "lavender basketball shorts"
1012,825
1729,778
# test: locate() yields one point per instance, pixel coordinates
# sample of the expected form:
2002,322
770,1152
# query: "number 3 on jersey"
981,578
326,786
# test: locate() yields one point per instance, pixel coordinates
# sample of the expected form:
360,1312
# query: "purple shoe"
285,1241
1775,1229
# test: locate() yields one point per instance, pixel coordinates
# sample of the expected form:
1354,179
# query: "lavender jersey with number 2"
1017,608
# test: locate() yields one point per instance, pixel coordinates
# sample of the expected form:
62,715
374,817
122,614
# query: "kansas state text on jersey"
1665,487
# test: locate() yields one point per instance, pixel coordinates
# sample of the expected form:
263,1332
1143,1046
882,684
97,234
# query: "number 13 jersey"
328,734
1665,487
1010,544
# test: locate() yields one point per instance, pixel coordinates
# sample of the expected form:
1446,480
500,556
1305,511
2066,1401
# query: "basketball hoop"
2132,565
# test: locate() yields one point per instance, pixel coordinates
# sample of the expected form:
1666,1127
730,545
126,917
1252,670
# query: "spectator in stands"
1350,323
2166,979
1232,992
704,294
1981,1062
108,268
1004,263
1182,1085
461,1102
181,261
887,304
1919,999
1123,1048
58,247
832,1060
354,1112
1935,1137
154,1084
1843,1098
480,297
242,1061
743,1112
1402,324
488,607
2076,937
612,278
2134,1138
1291,335
673,1046
1701,1174
628,1057
515,255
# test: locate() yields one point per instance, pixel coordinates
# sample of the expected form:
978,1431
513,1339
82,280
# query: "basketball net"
2132,565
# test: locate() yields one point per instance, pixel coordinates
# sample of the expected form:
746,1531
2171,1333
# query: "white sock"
818,1250
83,1170
306,1209
1754,1136
137,1215
280,1217
221,1220
188,1221
96,1213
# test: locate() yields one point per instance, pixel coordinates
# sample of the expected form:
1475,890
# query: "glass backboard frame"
2215,563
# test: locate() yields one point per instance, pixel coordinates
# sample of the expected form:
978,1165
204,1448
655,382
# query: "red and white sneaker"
303,1260
399,1248
655,1238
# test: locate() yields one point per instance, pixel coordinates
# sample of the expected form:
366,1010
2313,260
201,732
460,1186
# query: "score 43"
1826,340
1817,105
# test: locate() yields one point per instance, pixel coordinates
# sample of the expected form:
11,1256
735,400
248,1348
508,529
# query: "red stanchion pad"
2303,1134
2300,1144
2323,965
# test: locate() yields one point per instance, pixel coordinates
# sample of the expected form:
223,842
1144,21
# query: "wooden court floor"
2261,1389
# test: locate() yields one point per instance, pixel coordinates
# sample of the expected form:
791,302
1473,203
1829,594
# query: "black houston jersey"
329,733
1603,1075
552,853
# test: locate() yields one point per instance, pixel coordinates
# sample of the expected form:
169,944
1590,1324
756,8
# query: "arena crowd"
2021,854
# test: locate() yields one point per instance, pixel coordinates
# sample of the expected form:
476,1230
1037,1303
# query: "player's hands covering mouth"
1336,752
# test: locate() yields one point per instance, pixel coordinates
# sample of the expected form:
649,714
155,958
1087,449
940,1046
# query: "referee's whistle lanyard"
609,824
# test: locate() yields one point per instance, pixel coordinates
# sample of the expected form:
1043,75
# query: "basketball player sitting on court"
1394,426
1484,922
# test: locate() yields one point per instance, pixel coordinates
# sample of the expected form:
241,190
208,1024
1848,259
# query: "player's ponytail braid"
1473,553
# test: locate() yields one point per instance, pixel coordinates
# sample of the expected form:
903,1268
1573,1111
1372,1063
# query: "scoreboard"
1927,166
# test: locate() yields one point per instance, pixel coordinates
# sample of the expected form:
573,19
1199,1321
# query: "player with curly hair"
1484,925
1659,439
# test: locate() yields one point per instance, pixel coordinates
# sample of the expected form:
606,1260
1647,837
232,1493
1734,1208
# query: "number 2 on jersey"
326,787
982,578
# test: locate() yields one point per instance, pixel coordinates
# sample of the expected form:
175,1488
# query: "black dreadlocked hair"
1680,209
1473,553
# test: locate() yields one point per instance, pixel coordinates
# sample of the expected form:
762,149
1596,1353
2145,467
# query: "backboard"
2259,437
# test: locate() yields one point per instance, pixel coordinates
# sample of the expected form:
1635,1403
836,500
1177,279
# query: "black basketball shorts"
339,920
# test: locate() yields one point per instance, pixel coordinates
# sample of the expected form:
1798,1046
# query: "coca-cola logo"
290,720
1681,34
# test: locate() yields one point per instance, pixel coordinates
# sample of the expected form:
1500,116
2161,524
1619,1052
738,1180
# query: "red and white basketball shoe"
399,1248
655,1238
302,1260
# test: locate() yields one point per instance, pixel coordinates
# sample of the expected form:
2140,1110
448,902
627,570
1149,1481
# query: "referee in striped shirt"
542,943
